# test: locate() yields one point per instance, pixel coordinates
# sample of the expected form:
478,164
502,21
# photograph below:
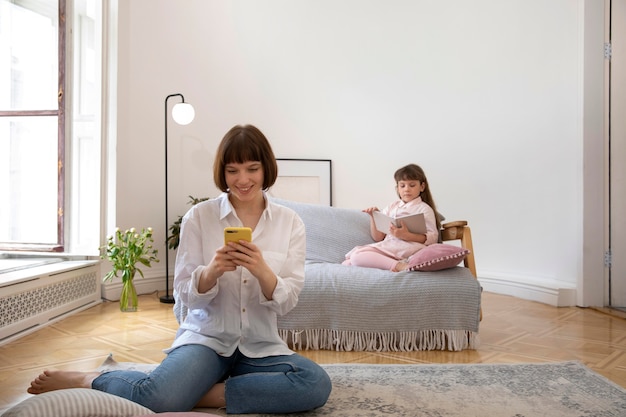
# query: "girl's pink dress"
397,248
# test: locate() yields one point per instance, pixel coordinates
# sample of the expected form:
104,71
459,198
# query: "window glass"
84,161
28,55
28,179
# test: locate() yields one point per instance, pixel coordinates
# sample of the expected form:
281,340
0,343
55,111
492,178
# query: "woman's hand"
245,254
221,262
248,255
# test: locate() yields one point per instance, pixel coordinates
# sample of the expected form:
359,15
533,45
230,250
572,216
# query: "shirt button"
243,310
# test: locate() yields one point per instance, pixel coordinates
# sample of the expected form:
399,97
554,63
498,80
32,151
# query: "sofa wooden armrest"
459,230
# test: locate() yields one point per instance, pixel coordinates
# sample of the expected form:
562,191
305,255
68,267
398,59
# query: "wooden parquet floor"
512,331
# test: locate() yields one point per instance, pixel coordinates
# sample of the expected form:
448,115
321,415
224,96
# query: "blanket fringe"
339,340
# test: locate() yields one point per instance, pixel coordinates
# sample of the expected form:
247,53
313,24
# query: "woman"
227,352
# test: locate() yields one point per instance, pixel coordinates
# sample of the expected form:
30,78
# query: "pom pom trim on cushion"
436,257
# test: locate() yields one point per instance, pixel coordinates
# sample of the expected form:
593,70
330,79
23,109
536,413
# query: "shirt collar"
226,207
410,203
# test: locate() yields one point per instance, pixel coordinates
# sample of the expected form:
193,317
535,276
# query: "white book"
414,222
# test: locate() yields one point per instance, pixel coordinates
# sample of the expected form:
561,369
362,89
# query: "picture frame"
304,180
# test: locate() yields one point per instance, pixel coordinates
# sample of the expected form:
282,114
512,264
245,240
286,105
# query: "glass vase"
128,297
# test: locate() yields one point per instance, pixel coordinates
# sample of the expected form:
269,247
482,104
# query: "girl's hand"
376,234
402,232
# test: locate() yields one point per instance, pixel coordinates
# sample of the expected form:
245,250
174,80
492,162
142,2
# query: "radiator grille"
23,305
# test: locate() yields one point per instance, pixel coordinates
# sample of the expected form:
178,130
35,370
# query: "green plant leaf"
126,249
174,239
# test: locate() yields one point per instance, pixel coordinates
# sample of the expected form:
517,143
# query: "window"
49,134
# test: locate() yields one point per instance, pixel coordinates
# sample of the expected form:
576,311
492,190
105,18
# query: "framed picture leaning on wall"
304,180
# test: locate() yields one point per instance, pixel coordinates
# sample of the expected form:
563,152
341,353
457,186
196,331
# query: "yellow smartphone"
235,234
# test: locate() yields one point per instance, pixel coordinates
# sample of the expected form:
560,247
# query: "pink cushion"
436,257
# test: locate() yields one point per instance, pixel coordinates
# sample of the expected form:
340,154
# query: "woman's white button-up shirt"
235,313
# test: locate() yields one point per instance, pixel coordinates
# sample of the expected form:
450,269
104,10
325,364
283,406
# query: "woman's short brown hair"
244,143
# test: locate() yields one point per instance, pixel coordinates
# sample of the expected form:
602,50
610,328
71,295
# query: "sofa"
350,308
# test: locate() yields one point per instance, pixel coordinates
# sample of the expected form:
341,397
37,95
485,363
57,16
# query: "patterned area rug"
563,389
484,390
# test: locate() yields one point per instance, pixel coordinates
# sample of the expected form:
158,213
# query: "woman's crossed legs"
194,375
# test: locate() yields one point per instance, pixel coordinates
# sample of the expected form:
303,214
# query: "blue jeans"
274,384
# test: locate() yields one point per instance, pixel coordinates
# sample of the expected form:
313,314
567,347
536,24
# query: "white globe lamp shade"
183,113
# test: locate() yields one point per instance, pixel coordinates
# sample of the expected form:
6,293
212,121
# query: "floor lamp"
183,114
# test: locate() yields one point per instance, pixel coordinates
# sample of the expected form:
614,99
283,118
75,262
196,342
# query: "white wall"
486,96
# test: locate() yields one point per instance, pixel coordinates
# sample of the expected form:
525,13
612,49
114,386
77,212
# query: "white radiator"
35,297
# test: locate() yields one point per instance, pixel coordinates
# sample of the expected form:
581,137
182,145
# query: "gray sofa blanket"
349,308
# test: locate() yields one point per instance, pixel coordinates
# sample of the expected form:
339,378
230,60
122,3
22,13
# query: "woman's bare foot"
54,380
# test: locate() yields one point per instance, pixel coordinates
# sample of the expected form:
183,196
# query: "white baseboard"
552,292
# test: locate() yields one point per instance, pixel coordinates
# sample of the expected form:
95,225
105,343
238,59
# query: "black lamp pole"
167,298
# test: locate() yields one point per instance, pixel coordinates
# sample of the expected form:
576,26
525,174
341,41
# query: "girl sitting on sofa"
393,250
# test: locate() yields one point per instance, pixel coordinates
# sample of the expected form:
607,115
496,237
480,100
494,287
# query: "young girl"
393,250
227,352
